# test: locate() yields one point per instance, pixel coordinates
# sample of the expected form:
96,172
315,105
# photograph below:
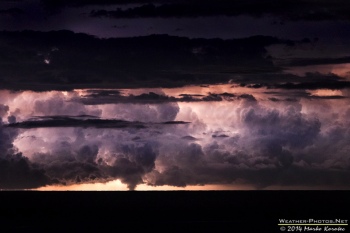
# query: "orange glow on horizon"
116,185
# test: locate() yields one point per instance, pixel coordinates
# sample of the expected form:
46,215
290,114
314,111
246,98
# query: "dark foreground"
171,211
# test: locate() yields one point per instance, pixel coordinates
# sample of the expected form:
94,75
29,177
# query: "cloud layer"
59,61
250,140
288,10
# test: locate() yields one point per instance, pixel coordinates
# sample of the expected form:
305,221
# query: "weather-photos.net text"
313,225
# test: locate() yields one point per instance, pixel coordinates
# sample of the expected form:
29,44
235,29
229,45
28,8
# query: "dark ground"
166,211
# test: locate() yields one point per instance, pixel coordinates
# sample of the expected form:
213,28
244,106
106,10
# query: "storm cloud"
265,145
174,93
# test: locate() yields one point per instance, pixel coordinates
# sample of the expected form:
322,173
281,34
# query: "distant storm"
174,95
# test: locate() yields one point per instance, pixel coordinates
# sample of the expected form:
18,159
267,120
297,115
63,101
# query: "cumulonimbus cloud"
261,144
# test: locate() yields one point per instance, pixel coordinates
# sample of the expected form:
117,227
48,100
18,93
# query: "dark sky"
289,34
241,94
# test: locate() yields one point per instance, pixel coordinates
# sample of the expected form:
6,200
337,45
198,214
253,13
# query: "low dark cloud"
107,97
254,85
82,166
212,97
291,100
175,122
247,97
305,95
65,121
273,99
16,172
270,81
220,136
259,178
335,85
96,97
332,97
102,93
315,61
190,95
190,138
314,81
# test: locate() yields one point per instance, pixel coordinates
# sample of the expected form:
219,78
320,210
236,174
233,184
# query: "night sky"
174,95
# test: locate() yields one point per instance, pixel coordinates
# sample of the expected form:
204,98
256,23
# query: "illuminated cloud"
252,141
